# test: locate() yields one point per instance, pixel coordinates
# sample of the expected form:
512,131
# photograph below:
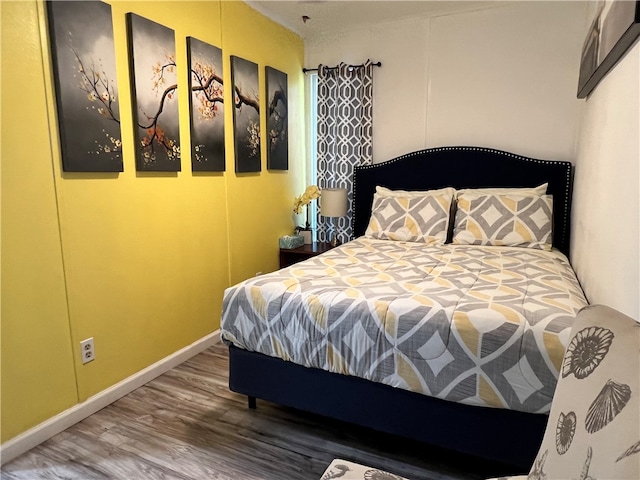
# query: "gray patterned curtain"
345,118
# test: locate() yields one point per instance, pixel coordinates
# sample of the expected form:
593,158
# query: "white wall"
606,204
503,77
400,93
506,77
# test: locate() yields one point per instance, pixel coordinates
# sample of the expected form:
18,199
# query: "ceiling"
333,16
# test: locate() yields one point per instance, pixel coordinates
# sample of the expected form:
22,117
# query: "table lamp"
333,204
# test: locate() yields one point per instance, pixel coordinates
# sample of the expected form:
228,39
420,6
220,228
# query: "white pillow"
386,192
539,190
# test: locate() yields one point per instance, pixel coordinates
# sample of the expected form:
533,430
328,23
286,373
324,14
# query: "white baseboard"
47,429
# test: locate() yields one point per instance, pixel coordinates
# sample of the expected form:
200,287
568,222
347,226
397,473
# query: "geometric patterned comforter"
478,325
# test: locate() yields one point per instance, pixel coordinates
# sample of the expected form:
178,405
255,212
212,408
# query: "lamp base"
308,238
334,241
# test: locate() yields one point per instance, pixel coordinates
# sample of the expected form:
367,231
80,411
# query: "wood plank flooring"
186,424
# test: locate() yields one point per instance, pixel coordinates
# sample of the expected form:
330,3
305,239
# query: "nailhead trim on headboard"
566,201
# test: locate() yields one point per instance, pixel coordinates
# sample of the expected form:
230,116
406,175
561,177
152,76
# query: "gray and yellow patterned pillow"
516,220
411,216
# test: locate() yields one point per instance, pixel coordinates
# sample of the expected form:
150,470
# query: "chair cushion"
517,477
594,423
346,470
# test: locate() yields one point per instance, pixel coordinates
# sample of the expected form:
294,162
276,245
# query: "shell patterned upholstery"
593,431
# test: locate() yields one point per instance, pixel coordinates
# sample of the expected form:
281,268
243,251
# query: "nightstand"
294,255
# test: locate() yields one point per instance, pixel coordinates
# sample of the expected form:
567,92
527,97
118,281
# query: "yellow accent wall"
138,261
250,195
37,376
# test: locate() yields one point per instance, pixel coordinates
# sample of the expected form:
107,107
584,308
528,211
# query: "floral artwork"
246,115
207,106
155,95
87,99
277,126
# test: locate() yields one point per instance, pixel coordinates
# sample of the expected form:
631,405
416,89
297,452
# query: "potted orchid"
311,193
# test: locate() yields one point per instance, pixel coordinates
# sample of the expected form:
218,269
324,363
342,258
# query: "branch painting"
277,125
207,106
154,95
246,115
84,68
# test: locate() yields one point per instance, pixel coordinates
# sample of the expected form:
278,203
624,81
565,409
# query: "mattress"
483,326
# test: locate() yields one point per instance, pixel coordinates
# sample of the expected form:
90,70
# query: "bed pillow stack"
518,217
411,216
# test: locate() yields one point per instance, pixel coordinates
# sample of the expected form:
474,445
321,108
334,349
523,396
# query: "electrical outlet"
87,351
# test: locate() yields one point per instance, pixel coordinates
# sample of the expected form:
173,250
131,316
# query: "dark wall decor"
154,93
84,70
614,30
277,123
246,114
206,106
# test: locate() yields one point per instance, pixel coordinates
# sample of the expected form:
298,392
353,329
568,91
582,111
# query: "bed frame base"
504,436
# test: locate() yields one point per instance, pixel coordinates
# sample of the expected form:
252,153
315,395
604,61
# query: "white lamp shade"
333,202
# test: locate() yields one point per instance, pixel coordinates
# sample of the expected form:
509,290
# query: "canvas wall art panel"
84,70
277,126
246,115
154,95
207,106
614,30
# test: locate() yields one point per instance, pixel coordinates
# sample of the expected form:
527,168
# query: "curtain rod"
307,70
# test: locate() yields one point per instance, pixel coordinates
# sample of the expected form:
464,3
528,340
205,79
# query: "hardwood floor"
186,424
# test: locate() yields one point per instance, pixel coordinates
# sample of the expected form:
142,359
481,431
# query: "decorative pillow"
386,192
345,470
504,220
422,217
539,190
594,423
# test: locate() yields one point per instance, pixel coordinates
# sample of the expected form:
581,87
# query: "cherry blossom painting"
84,70
277,127
207,106
154,95
246,115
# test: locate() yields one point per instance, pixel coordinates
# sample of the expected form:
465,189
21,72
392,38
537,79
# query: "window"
313,143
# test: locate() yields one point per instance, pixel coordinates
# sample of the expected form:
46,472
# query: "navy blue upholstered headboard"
466,167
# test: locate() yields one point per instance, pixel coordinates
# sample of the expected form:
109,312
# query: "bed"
440,339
